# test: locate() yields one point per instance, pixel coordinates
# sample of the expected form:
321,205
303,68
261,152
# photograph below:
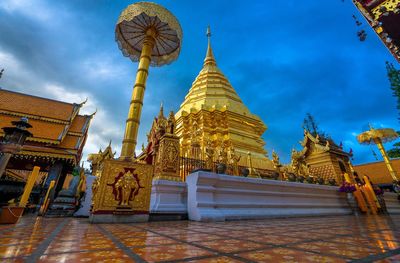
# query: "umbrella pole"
135,108
392,172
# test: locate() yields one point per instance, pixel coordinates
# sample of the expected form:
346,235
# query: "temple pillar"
167,161
58,174
4,159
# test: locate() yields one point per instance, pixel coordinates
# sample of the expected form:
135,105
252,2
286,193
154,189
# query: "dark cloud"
283,58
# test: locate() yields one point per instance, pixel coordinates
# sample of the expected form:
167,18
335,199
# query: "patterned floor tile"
170,252
230,245
196,237
392,259
98,256
287,255
215,260
356,251
17,250
147,241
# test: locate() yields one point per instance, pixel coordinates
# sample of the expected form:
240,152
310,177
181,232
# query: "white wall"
215,197
168,197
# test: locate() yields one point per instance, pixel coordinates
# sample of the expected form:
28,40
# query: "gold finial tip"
208,33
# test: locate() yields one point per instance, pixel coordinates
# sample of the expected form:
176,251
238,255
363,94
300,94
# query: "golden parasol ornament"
378,137
134,23
151,35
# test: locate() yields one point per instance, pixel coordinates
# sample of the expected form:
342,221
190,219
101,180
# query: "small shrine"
320,157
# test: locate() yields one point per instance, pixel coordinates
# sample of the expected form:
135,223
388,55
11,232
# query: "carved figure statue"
209,155
222,155
171,123
125,186
275,160
234,160
95,187
299,165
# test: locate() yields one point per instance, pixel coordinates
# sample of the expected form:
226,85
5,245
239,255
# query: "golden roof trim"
70,156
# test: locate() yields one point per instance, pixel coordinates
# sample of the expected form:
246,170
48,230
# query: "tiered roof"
59,132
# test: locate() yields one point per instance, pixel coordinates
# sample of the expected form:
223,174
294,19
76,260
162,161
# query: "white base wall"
392,203
168,197
216,197
84,210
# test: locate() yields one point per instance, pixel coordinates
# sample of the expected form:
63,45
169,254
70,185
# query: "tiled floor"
317,239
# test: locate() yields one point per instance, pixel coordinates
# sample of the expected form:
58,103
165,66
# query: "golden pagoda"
212,114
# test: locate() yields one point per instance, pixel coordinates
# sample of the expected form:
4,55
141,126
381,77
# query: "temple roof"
377,171
58,130
211,91
322,143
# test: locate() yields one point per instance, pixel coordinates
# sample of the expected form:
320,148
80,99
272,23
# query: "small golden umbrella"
150,34
378,137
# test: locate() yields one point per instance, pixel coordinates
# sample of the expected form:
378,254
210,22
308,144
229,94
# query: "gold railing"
188,165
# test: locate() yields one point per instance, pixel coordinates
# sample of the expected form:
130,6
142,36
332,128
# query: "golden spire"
209,60
161,112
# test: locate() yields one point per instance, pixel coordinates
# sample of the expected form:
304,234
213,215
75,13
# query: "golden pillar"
149,34
389,166
29,185
135,108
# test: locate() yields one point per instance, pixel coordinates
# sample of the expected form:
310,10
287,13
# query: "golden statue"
222,155
209,155
95,187
275,160
126,185
171,123
299,165
234,160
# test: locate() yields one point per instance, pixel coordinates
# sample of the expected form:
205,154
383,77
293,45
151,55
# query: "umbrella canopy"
131,29
384,135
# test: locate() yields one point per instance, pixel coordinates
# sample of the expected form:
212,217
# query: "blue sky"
284,59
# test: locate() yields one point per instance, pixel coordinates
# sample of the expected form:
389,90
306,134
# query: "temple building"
384,17
377,171
212,114
59,135
321,158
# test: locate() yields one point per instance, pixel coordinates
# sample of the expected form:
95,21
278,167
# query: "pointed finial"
109,144
83,102
209,56
161,113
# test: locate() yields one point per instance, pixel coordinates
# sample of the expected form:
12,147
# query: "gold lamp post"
378,137
149,34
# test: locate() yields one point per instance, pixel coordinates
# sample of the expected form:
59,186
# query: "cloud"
35,9
283,59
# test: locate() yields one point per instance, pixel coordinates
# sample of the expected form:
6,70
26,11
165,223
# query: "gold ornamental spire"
209,60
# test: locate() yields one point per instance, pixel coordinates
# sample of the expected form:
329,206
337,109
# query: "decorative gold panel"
123,184
167,164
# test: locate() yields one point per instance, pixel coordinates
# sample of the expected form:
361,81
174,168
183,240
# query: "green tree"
395,151
394,78
310,125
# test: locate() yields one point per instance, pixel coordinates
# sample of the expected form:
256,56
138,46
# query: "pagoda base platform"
168,197
217,197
